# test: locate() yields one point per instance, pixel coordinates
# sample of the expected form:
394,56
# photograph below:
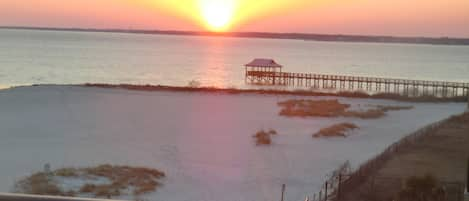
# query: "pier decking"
263,74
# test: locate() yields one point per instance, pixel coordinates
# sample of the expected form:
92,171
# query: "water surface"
56,57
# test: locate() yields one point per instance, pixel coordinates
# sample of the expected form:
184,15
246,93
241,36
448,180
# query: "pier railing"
406,87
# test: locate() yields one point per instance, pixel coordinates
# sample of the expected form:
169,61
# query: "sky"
433,18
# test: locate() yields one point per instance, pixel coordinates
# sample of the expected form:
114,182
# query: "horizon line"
432,40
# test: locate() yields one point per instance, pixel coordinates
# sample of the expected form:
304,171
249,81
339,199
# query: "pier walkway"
267,72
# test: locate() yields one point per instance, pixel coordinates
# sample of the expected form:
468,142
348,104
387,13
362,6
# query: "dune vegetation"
264,137
332,108
194,86
337,130
105,181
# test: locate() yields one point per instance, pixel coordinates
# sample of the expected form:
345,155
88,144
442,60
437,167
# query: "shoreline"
294,92
297,92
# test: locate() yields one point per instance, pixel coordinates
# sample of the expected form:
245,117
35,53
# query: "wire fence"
389,188
343,181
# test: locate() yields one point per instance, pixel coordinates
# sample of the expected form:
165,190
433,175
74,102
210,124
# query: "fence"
385,188
342,181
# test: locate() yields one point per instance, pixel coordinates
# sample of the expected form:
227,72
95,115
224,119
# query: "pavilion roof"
270,63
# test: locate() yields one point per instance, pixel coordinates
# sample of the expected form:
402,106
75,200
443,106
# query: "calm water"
44,57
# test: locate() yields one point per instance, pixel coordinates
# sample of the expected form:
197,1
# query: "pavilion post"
245,74
467,177
467,102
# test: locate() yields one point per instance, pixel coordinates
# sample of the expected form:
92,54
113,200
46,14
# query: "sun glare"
217,14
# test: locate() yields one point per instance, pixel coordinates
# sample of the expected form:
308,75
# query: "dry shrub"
145,187
38,184
387,108
264,138
87,188
66,172
308,108
353,94
366,114
377,112
194,84
107,191
142,179
332,108
138,179
337,130
70,193
105,170
272,132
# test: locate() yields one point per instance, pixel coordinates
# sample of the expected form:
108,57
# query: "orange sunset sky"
372,17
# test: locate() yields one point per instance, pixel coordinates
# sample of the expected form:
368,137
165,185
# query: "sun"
217,14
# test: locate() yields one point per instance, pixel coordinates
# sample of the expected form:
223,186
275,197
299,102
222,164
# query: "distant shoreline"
270,35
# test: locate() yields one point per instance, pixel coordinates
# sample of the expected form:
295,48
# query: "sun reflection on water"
213,65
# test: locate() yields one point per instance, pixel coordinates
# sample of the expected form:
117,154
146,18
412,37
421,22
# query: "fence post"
325,193
338,186
461,193
467,176
283,192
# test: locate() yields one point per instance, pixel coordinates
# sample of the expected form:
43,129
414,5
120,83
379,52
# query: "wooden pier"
267,72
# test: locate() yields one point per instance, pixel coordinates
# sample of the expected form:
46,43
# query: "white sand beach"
202,141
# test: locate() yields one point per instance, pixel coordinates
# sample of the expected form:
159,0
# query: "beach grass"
332,108
121,179
336,130
264,137
298,92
